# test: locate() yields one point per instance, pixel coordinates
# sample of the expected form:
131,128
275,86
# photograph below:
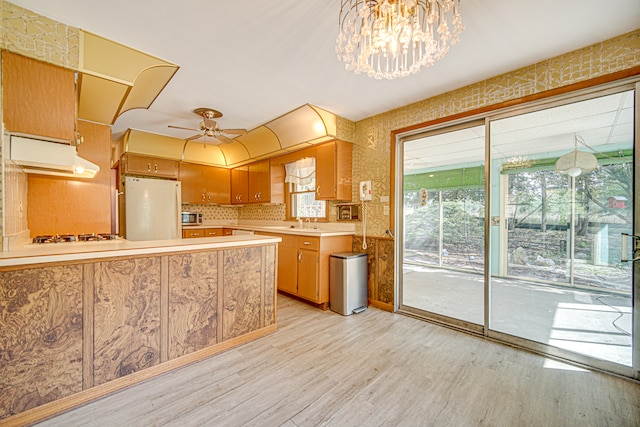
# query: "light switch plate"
386,210
384,199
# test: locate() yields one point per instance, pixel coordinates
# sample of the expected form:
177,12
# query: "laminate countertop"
77,251
278,229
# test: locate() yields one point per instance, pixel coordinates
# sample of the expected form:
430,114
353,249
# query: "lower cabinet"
188,233
303,264
41,336
70,328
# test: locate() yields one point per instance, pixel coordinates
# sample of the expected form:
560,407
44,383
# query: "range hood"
48,157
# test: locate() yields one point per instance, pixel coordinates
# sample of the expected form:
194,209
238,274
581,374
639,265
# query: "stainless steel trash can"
348,282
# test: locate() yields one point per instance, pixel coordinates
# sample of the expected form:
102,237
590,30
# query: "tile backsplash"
214,212
276,212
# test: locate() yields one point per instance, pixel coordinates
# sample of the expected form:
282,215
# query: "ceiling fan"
209,128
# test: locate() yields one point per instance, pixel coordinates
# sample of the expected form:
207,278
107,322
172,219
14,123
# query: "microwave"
191,218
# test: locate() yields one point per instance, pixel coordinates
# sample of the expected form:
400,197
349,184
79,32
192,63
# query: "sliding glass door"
512,227
558,277
443,259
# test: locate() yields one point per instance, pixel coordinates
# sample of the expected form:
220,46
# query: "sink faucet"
315,223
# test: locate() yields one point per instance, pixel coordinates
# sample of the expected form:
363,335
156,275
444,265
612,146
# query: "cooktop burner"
93,237
87,237
55,238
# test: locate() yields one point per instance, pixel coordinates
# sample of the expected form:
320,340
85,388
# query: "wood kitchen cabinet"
204,184
303,265
188,232
333,171
37,98
240,185
135,164
251,183
260,182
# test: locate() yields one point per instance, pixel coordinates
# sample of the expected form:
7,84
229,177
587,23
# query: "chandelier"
394,38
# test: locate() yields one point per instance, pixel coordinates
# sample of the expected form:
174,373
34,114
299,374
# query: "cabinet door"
218,183
287,263
37,98
260,182
193,183
308,274
150,166
240,185
287,271
326,171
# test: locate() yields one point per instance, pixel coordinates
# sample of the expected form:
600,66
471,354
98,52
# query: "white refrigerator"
150,209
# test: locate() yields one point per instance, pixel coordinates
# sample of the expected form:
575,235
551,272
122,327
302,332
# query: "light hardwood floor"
373,368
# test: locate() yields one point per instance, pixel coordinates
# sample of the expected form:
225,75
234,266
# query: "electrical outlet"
386,210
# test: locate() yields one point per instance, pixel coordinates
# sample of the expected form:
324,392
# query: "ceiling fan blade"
234,131
191,138
180,127
223,139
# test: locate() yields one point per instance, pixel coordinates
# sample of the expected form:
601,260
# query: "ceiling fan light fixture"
208,128
395,38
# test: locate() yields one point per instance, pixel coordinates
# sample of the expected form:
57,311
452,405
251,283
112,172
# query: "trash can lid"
345,255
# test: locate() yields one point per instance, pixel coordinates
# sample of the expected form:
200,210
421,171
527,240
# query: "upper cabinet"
251,183
37,98
204,184
133,164
240,185
260,182
333,171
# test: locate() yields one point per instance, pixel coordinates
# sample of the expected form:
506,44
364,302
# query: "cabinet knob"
203,197
307,243
317,189
299,256
149,167
155,168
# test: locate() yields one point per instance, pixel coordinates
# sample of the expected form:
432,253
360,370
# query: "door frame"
516,108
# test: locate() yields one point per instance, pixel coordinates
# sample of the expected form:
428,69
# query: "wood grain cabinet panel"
260,182
334,171
205,184
38,98
135,164
41,336
240,185
188,233
127,317
242,291
193,302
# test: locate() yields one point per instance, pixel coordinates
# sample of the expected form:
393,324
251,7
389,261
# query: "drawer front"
186,234
211,232
311,243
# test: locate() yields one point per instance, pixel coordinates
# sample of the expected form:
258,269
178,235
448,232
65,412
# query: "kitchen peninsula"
84,319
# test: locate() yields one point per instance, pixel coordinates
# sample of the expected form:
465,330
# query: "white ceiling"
256,60
605,124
